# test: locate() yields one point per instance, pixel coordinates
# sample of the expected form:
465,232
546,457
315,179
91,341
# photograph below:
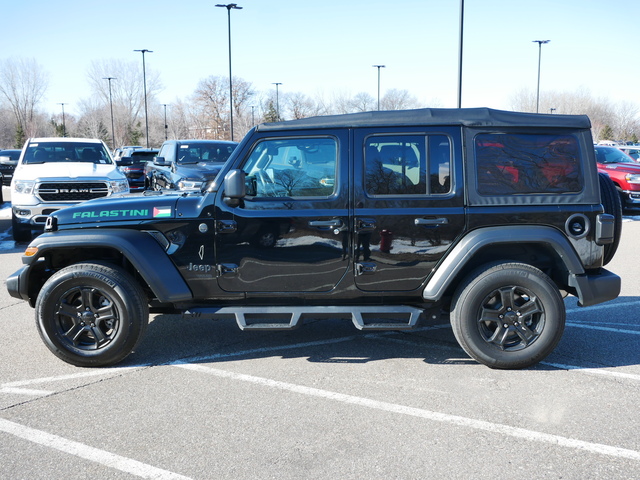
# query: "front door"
408,211
290,233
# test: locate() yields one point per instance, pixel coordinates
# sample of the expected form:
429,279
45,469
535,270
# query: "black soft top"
469,117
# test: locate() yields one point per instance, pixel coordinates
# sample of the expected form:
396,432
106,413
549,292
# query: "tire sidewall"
129,328
467,309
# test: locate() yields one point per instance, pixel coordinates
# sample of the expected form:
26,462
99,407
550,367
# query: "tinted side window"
168,152
292,167
527,164
407,164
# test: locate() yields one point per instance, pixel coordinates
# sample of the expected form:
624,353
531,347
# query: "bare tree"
301,106
23,84
127,93
211,107
363,102
395,99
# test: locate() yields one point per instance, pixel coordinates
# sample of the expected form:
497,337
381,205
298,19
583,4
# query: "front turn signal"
31,251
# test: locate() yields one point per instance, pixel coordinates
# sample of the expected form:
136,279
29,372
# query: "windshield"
86,152
204,152
612,155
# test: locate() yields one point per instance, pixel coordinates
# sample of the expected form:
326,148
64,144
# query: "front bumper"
36,215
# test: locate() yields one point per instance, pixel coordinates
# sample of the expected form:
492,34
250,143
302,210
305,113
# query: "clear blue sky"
330,46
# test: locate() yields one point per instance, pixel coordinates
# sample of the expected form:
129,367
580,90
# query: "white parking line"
604,306
606,329
529,435
72,376
26,391
594,371
77,449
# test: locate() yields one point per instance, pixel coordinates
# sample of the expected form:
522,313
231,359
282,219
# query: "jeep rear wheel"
508,315
91,314
612,205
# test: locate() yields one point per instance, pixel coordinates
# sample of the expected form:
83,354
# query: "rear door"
409,206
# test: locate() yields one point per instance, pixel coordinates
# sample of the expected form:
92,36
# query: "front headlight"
24,186
185,184
632,177
120,186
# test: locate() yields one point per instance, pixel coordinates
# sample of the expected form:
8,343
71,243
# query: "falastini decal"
158,212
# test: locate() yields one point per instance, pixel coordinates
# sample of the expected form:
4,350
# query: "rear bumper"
594,289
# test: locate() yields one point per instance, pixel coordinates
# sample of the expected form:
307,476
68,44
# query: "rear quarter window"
509,164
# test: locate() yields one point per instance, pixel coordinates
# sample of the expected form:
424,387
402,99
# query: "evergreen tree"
20,137
271,115
607,133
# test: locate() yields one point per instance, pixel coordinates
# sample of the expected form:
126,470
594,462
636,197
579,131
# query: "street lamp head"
379,66
229,6
540,42
144,50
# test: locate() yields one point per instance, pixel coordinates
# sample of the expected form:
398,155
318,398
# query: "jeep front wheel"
508,315
91,314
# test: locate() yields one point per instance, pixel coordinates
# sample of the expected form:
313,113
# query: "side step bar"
399,317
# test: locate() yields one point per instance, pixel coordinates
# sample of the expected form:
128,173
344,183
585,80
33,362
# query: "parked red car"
625,173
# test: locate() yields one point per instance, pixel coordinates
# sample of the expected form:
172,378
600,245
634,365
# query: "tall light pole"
144,80
64,128
277,101
460,54
379,67
113,130
230,6
539,42
166,137
253,118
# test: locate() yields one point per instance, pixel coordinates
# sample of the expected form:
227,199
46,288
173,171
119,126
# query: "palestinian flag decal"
161,212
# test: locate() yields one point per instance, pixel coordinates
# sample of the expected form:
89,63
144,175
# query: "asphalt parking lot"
201,399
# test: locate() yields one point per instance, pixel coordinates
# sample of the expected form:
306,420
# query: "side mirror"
234,187
159,161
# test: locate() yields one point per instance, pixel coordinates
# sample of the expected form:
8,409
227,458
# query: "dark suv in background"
133,163
8,162
187,165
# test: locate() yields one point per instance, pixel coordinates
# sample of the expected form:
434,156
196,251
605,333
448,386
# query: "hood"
201,170
621,167
117,209
53,171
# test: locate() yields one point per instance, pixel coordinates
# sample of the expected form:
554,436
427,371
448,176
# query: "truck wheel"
21,233
611,203
508,315
91,314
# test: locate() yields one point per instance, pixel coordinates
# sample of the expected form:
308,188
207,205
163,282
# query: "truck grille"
71,191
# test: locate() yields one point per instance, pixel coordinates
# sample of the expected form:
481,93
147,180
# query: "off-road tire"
508,315
91,314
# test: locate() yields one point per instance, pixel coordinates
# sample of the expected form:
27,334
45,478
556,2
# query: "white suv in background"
54,173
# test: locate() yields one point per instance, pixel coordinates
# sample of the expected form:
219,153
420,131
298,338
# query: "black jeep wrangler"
487,216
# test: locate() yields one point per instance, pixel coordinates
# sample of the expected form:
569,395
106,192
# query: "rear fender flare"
476,240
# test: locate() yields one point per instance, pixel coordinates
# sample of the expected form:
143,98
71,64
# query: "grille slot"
71,191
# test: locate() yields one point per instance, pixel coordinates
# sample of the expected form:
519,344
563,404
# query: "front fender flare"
138,247
472,243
